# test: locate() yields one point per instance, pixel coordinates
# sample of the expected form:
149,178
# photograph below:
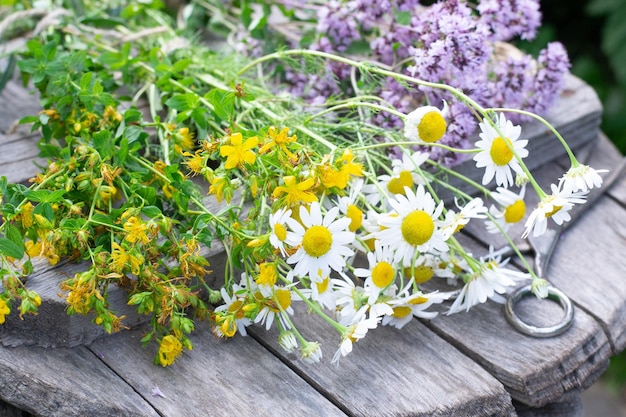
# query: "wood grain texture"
570,405
66,382
220,378
408,372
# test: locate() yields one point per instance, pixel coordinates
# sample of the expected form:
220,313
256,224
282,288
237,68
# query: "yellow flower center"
397,184
401,311
382,274
554,210
322,287
280,232
432,127
501,151
515,212
356,216
317,241
283,298
420,274
417,227
418,300
235,306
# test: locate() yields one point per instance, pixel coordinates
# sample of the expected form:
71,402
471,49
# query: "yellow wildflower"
331,177
119,257
109,173
217,188
239,152
267,274
169,349
4,310
279,139
136,230
295,192
185,138
26,215
43,247
350,167
195,162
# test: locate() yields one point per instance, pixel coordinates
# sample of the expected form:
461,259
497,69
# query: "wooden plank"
18,157
534,371
396,372
570,405
66,382
596,282
17,103
236,377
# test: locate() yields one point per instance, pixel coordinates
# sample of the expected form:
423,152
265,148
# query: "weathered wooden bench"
472,364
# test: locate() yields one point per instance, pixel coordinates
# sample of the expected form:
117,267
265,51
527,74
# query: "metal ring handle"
553,294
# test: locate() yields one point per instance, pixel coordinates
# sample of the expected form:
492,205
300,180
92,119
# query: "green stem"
353,105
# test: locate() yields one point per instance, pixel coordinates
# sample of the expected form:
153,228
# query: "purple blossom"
553,63
509,18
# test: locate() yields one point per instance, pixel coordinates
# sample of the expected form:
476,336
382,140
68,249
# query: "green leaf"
200,117
72,224
183,102
103,143
103,219
10,248
13,234
151,212
358,48
45,196
223,103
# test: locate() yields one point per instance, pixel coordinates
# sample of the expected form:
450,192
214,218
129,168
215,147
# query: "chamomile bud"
426,124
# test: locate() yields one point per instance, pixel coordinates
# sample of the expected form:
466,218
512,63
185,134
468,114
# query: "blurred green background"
594,34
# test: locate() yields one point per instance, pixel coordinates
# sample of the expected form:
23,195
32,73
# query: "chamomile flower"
280,235
233,305
347,206
426,124
487,282
407,305
351,301
276,305
498,151
322,291
405,174
311,352
322,240
582,178
555,206
512,209
413,227
354,333
381,272
428,266
454,221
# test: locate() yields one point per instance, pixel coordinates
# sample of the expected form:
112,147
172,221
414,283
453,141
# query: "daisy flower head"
582,178
322,291
408,305
498,146
311,352
428,266
322,241
413,226
347,206
488,282
512,209
405,173
233,306
354,333
454,222
280,235
426,124
381,272
276,304
555,206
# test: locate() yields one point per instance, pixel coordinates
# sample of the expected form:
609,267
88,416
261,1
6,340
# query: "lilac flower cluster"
452,42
